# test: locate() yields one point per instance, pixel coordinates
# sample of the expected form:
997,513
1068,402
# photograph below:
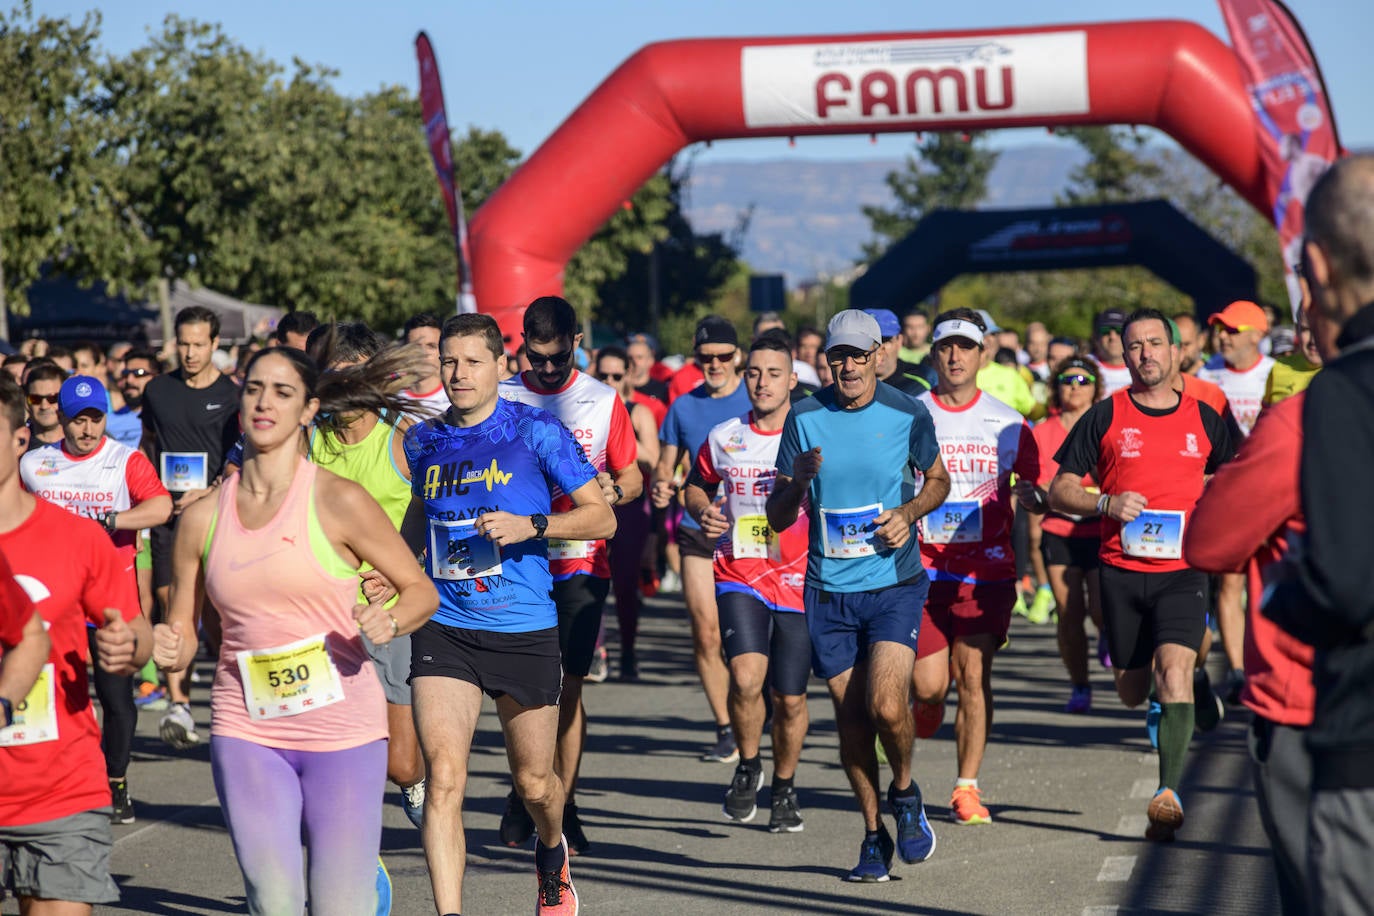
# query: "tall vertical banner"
1293,118
440,151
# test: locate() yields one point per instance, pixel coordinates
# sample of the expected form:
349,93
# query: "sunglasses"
36,399
612,376
1108,329
722,358
860,358
556,360
1078,378
136,373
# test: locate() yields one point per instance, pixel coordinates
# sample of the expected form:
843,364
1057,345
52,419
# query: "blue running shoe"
383,889
915,839
1152,722
875,858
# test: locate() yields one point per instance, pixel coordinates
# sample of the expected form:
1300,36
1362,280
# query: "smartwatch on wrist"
619,493
109,522
540,523
7,710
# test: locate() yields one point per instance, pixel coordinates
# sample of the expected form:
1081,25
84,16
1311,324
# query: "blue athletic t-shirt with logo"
867,456
692,417
507,463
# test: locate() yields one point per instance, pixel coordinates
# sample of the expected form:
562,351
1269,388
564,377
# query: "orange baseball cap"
1242,314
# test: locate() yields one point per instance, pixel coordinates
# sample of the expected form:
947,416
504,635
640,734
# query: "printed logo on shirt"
735,443
457,478
1131,442
1190,448
995,553
47,467
213,406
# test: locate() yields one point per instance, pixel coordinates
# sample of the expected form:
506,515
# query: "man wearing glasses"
718,398
41,386
1108,352
593,412
967,545
1150,448
137,368
851,450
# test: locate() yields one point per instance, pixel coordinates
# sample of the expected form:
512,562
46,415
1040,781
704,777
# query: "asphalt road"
1067,793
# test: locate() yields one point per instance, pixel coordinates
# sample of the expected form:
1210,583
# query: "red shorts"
955,609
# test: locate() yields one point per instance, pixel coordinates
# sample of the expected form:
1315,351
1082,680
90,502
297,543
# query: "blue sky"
521,66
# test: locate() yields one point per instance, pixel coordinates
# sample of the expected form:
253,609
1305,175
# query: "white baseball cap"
853,328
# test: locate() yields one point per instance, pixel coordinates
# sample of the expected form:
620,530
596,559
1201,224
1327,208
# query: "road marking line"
1144,787
1116,868
178,817
1132,825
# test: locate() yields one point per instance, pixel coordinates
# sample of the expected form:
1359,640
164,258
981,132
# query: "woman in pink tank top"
298,729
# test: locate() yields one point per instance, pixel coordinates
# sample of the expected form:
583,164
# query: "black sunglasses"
716,357
1106,329
36,399
557,360
136,373
612,376
1077,378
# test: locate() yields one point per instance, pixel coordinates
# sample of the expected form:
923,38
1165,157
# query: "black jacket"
1330,604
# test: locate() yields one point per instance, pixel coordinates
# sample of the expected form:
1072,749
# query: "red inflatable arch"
1173,75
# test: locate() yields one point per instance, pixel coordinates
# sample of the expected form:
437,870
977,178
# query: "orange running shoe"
557,896
966,807
1166,816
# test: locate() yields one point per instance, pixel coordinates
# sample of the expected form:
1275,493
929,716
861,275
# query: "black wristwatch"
8,711
109,522
619,493
540,523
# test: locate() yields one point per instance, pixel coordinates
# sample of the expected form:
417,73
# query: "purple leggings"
268,795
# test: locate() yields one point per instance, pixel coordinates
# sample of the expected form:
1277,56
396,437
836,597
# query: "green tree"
48,134
949,171
1119,167
691,269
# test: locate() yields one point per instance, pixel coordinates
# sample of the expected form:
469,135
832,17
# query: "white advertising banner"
877,82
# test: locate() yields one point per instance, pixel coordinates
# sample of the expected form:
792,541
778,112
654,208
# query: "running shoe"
741,799
929,717
1042,606
1104,654
122,809
724,750
1166,816
1152,715
573,833
875,858
151,697
516,824
1235,683
1020,608
413,802
557,896
915,839
629,666
966,807
786,816
1080,700
670,584
1208,710
601,667
383,889
178,728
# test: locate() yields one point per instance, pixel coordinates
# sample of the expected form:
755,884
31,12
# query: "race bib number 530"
289,680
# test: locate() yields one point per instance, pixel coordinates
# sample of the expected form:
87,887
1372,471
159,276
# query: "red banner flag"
1293,118
436,132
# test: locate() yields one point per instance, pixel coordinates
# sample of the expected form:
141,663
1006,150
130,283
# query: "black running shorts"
580,600
525,666
749,625
1143,611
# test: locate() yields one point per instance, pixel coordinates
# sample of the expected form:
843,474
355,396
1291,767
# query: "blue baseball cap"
888,322
81,392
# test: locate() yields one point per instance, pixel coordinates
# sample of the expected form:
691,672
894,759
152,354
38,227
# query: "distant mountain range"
807,217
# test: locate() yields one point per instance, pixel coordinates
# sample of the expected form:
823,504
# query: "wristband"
1103,502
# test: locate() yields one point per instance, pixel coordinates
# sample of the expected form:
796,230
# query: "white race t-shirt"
1115,376
1244,388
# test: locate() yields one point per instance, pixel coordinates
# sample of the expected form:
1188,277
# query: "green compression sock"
1175,731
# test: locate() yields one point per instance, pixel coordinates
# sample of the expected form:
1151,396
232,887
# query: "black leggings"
116,695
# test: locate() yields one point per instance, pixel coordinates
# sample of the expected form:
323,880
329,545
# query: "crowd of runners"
869,504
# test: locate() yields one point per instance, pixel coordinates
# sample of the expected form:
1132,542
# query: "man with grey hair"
1329,603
